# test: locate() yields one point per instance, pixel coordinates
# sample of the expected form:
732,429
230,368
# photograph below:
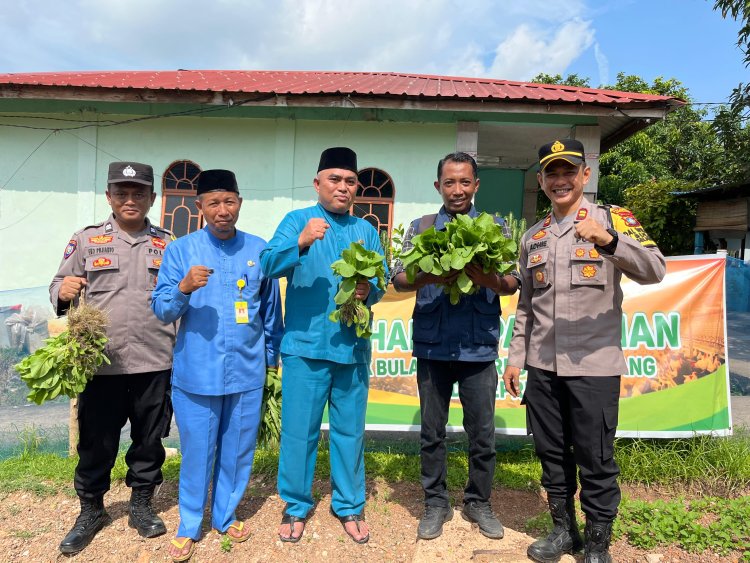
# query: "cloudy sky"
507,39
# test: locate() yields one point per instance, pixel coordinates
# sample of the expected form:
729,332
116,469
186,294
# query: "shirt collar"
444,217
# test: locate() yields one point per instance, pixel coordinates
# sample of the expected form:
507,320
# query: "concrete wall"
52,184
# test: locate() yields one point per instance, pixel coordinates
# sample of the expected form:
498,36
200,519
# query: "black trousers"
103,409
477,385
573,420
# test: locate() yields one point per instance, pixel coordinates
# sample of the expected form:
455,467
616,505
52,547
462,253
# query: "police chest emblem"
101,262
70,249
101,239
539,277
581,215
593,253
539,234
588,271
159,243
536,258
156,262
580,252
547,221
128,171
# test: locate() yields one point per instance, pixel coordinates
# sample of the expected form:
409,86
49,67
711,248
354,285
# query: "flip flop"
240,527
289,519
181,545
356,518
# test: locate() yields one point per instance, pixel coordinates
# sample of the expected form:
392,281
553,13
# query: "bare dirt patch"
31,528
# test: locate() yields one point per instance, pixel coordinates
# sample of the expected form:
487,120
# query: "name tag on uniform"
240,312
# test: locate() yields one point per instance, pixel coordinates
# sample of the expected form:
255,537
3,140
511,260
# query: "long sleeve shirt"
121,272
214,354
312,285
569,314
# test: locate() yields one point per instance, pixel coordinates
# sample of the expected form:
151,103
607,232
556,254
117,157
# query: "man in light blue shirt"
323,362
229,334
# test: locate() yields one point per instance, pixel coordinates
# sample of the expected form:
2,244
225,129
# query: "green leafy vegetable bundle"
269,433
356,264
464,240
66,363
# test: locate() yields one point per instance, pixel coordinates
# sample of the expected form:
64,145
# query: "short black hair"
459,157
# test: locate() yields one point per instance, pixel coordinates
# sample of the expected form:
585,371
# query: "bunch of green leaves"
356,264
465,240
67,362
269,432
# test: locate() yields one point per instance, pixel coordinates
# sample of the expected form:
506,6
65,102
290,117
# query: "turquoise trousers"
306,386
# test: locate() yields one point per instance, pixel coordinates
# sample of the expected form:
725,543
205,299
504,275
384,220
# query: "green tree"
740,11
570,80
667,219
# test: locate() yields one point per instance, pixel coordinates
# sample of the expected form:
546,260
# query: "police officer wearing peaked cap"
567,334
116,263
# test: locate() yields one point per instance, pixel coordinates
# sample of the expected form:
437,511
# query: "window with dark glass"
374,199
178,211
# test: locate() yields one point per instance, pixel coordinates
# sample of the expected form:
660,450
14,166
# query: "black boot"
141,515
598,536
92,518
564,537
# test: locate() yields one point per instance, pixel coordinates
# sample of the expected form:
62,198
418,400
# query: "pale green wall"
48,195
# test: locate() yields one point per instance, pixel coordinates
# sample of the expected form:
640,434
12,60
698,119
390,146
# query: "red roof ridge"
319,82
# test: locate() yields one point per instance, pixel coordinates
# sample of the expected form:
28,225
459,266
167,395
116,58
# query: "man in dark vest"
456,344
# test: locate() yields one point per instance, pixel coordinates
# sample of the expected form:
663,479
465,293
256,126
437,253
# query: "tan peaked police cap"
568,150
131,172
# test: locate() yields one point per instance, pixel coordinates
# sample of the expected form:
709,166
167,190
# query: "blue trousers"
217,439
306,386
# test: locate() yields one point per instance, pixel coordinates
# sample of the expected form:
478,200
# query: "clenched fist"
70,288
314,230
592,231
196,278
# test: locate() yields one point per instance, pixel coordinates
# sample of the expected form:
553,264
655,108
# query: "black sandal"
356,518
289,519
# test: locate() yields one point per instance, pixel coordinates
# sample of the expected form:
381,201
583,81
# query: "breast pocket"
587,266
539,268
102,273
153,260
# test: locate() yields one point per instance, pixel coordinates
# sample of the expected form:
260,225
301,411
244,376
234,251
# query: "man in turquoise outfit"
229,334
322,361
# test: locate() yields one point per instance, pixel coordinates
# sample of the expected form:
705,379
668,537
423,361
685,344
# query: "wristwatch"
612,246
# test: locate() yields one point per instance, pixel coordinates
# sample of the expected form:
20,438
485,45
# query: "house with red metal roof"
59,131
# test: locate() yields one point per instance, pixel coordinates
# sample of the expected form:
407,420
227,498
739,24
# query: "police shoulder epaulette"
168,234
87,227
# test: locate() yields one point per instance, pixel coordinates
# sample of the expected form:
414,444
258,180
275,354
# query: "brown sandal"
289,519
356,518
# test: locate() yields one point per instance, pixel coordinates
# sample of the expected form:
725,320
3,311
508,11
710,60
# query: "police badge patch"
70,249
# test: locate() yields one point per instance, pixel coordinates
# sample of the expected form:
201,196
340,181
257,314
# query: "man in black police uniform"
116,263
456,344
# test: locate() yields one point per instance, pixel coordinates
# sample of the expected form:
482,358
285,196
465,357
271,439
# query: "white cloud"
602,63
507,39
529,51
